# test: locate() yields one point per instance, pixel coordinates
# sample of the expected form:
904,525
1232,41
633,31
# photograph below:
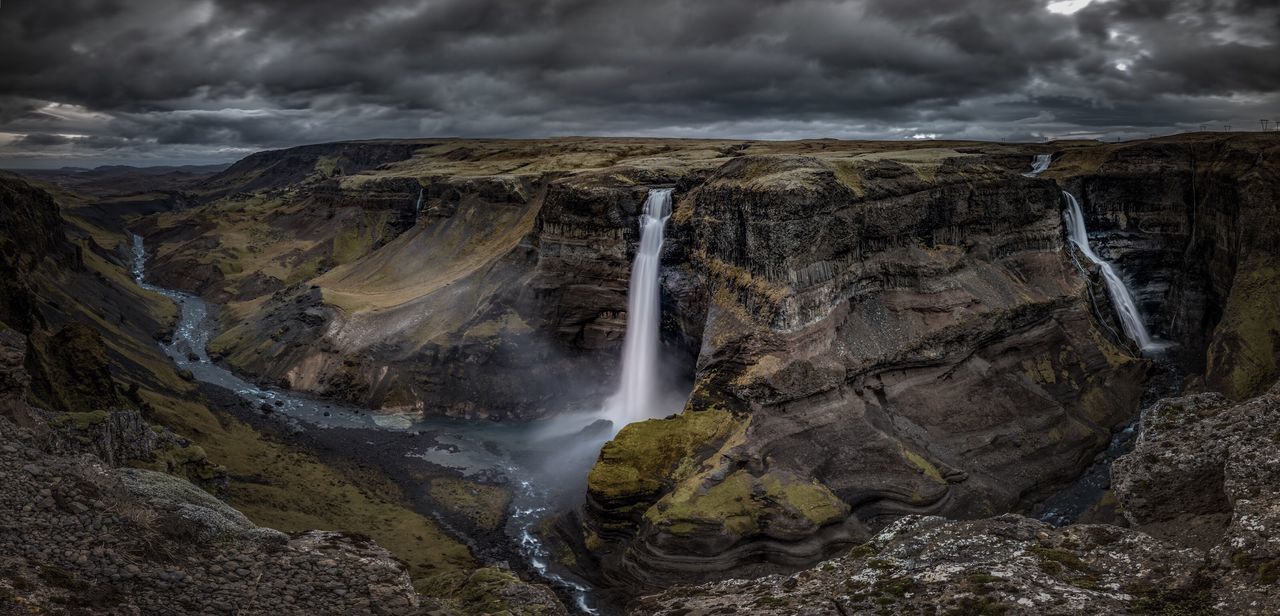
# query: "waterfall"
1121,298
417,206
1039,165
637,393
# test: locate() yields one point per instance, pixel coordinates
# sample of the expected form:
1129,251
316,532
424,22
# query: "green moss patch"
742,504
923,464
1242,356
647,455
484,506
79,421
491,590
358,238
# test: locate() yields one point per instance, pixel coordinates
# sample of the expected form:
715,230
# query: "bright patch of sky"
1067,7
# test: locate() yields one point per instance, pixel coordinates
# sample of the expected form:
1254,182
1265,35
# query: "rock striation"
1200,486
890,336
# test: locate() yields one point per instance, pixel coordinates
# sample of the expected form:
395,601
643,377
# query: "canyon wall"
1191,220
883,336
871,330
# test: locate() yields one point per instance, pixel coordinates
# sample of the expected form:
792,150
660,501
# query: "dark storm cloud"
214,79
42,139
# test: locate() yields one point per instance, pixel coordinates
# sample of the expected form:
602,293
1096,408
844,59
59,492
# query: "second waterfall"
637,393
1125,306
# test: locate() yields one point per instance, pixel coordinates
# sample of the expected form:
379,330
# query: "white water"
637,397
1126,308
1039,165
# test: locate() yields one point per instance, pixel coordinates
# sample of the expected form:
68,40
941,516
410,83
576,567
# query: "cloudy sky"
86,82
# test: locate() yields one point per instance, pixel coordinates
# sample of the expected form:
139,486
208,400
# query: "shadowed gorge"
888,348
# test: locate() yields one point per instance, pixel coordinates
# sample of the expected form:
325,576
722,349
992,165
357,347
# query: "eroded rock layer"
883,337
1201,485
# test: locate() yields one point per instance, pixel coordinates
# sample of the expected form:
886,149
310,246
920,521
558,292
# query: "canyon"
869,356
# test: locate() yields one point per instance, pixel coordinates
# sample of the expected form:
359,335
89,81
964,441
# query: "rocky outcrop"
83,537
1201,486
1004,565
1206,472
33,234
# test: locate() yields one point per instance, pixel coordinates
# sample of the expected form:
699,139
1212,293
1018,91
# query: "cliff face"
501,297
1190,220
871,330
492,282
883,335
33,233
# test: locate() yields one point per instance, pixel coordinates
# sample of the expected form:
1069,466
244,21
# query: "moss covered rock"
480,505
1244,354
776,504
649,455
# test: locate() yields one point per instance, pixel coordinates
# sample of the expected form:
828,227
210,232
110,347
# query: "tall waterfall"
637,393
1121,298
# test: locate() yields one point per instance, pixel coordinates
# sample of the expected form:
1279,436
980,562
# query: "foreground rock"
1005,565
80,536
1206,473
1202,484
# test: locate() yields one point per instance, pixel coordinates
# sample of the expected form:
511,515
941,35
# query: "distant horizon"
87,164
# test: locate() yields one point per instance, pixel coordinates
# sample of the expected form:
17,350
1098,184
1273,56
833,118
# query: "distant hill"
117,180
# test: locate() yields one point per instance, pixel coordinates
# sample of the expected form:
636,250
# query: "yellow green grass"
484,505
291,490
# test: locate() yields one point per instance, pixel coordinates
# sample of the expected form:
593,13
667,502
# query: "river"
544,463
